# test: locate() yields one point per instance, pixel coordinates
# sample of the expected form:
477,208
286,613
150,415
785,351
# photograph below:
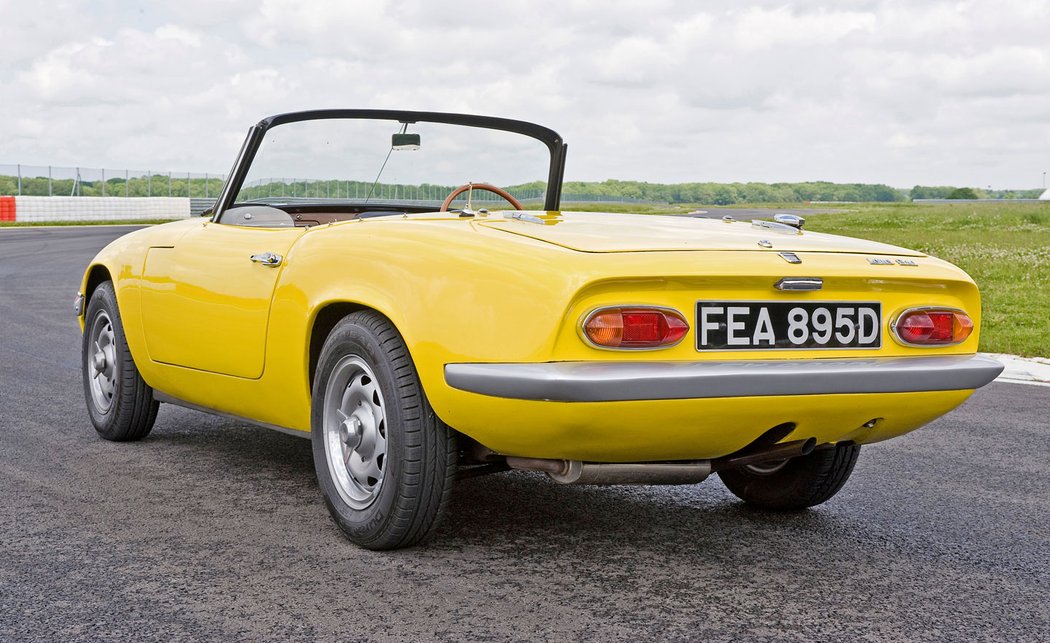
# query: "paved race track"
214,529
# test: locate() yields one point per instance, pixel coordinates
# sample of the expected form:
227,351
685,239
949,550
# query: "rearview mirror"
405,141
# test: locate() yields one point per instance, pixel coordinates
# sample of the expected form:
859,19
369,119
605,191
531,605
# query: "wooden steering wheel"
500,192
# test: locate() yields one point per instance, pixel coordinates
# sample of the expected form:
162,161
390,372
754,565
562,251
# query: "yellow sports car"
419,325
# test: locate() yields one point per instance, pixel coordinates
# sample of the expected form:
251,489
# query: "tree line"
741,193
610,190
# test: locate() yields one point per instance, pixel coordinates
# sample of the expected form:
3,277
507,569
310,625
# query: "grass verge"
1005,247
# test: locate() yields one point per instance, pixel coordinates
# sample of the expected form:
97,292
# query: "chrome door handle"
268,258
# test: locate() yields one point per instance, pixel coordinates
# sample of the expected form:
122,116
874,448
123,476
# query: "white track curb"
1023,370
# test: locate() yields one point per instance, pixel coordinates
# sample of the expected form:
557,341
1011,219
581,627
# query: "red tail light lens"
933,327
635,327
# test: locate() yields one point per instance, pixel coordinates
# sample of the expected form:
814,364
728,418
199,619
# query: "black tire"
801,482
403,502
120,403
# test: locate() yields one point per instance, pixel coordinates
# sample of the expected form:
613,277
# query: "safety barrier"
58,208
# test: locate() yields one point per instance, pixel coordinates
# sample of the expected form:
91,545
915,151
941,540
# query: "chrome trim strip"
161,396
523,216
775,226
799,283
623,381
792,220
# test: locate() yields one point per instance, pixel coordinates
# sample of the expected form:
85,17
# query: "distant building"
1045,196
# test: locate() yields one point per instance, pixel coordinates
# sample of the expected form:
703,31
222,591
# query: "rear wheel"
120,403
794,484
384,461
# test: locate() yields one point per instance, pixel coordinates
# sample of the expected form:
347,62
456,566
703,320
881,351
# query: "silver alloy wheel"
766,468
355,431
102,362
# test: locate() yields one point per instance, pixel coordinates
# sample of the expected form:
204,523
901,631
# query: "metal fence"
50,180
587,197
34,180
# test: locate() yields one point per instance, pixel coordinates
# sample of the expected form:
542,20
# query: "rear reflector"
933,327
635,327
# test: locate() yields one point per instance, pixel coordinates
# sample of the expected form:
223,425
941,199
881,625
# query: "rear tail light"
932,326
635,327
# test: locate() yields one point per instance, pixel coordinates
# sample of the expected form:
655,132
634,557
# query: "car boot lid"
606,232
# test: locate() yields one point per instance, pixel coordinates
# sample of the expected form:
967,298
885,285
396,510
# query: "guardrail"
38,209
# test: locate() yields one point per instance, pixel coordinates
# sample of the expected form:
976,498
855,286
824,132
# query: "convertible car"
421,324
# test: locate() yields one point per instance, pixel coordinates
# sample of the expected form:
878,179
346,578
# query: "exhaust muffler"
602,473
667,473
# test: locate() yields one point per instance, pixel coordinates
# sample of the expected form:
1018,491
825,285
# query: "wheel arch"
96,275
324,320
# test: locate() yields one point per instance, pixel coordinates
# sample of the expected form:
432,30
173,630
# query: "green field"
1004,246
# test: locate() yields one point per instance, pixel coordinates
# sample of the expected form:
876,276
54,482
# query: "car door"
206,300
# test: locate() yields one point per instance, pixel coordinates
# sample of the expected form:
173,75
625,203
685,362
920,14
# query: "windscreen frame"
551,139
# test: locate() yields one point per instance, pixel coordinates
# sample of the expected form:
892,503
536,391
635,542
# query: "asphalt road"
213,529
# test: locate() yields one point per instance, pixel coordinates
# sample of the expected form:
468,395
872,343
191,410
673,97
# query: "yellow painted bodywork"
209,327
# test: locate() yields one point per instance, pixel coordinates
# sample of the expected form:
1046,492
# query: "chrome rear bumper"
623,381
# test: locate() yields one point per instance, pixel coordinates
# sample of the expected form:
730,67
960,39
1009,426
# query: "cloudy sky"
905,93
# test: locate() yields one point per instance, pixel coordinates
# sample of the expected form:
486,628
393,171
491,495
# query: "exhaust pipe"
600,473
669,473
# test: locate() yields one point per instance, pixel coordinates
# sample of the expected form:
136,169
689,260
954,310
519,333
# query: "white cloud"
764,28
873,90
633,61
59,76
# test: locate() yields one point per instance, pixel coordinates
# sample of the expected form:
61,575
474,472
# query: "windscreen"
360,161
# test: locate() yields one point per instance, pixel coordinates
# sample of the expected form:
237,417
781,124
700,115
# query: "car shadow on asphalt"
515,508
235,446
520,510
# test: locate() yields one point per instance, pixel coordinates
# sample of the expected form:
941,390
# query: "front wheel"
384,461
120,403
794,484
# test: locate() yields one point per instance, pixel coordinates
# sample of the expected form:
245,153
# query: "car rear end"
666,355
